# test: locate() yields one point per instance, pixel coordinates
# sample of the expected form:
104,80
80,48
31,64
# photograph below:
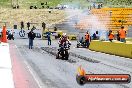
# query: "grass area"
5,3
118,3
75,3
129,39
51,3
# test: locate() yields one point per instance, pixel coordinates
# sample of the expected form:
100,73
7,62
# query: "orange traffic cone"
4,38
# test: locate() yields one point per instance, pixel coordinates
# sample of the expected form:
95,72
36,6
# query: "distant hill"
118,3
40,3
53,3
5,3
43,15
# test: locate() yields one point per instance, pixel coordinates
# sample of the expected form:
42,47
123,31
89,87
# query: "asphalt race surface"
53,73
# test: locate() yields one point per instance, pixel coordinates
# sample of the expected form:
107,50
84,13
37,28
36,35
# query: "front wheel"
13,38
66,55
77,46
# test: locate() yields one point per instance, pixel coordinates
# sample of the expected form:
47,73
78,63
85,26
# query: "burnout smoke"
92,23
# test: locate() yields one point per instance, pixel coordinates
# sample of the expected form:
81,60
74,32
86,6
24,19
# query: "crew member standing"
44,26
87,39
122,33
111,36
28,26
118,36
22,25
49,38
31,36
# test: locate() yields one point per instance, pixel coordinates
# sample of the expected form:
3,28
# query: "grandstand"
109,18
118,17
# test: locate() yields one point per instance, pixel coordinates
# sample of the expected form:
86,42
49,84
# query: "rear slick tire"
66,55
57,56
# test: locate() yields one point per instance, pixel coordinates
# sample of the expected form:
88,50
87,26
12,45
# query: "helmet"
64,35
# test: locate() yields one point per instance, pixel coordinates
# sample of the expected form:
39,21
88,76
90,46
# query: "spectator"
94,5
31,36
35,7
101,5
118,36
87,39
49,38
98,6
55,28
10,35
33,28
28,25
111,36
46,3
94,36
122,34
22,25
97,35
43,25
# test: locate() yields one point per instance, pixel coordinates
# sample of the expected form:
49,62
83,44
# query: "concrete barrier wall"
116,48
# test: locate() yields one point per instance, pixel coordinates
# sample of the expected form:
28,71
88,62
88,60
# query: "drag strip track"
73,59
61,73
52,50
40,73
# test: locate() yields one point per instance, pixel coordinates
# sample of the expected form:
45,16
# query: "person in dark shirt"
31,36
43,25
28,26
49,38
118,36
22,25
87,39
94,36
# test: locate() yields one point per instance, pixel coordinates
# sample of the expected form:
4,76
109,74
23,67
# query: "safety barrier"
115,48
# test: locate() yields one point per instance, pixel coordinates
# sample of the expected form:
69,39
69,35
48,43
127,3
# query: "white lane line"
36,78
33,73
